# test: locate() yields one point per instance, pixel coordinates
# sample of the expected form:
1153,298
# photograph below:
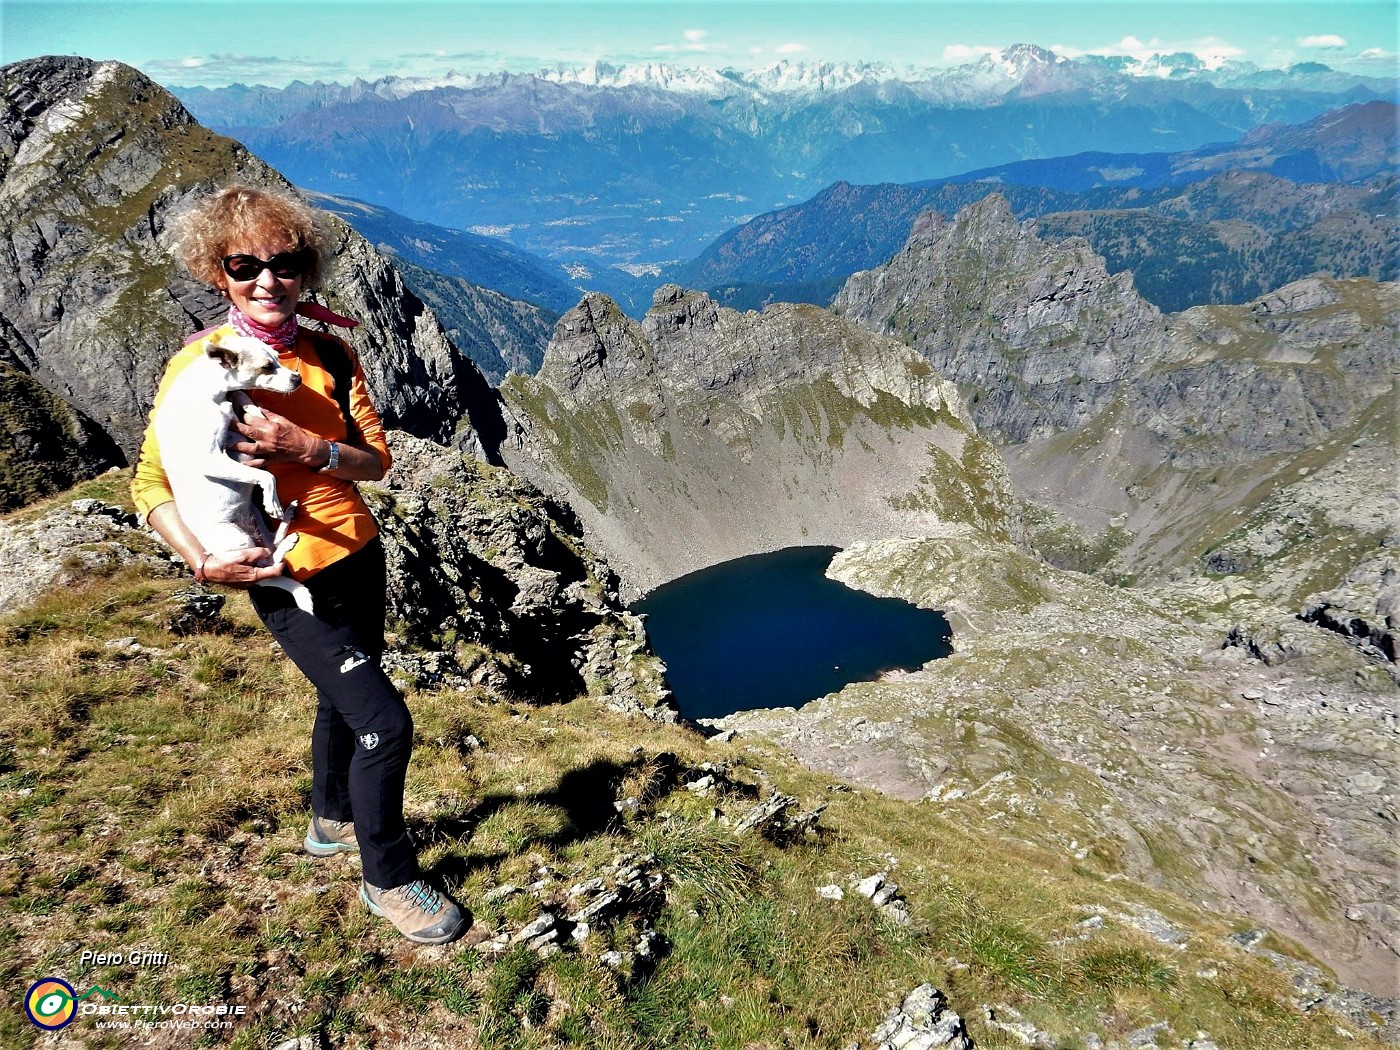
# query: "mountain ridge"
847,227
639,176
1010,65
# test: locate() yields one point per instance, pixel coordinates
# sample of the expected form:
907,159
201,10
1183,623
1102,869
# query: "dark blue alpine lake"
772,631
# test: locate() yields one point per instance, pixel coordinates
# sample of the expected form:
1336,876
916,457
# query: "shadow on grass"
586,796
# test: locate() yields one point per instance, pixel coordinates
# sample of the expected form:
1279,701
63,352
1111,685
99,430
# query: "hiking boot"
325,838
418,911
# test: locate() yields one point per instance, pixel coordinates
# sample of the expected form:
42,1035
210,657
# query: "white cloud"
790,49
220,69
1323,40
696,35
1378,56
967,52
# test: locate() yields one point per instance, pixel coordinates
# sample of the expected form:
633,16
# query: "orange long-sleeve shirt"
332,518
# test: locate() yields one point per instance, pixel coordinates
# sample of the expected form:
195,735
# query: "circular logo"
51,1003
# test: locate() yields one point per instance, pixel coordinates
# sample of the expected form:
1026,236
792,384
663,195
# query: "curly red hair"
238,215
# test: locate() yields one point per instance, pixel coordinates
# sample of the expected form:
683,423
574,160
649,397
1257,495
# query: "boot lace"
422,896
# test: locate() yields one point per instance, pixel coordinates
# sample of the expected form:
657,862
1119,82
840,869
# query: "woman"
261,249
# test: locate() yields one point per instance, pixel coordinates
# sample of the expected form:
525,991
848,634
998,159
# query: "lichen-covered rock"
68,543
922,1021
193,610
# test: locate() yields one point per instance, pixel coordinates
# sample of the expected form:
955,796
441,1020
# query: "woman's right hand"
239,568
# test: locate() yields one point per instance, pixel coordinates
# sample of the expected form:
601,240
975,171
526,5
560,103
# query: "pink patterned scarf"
284,336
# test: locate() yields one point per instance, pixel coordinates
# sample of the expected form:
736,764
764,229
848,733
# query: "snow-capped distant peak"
649,74
1018,58
821,76
1026,69
783,76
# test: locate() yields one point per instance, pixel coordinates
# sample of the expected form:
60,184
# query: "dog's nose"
296,380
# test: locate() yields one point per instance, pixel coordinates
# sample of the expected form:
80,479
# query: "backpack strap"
202,333
335,359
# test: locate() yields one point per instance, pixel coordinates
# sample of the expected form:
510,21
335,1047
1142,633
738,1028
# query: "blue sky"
213,42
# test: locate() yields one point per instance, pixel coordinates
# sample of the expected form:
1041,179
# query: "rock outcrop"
95,159
700,434
1040,332
85,538
1366,608
922,1021
493,581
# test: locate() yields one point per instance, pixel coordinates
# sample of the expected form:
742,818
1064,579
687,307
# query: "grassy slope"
154,797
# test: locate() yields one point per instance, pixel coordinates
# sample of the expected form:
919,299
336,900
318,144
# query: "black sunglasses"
284,265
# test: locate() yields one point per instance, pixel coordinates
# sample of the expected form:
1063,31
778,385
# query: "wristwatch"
334,461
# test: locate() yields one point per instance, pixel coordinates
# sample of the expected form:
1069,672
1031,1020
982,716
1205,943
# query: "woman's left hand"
276,439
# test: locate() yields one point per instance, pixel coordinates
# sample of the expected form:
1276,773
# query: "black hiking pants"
363,733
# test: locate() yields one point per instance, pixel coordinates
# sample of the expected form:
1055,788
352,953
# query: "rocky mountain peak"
685,329
674,311
1022,56
594,344
95,160
701,434
991,305
987,222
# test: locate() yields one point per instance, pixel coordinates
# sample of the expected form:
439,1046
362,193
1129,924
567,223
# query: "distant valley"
620,175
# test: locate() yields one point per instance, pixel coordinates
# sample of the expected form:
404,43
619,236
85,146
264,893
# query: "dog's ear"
224,355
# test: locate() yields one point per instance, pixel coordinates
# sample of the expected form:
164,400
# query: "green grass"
157,801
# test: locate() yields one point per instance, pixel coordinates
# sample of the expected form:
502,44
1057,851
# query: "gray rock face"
486,571
701,434
94,160
1365,608
1040,331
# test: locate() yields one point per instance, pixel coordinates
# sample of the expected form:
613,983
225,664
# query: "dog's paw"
284,546
290,512
252,411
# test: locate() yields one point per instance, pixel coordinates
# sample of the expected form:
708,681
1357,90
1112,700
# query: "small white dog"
213,490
